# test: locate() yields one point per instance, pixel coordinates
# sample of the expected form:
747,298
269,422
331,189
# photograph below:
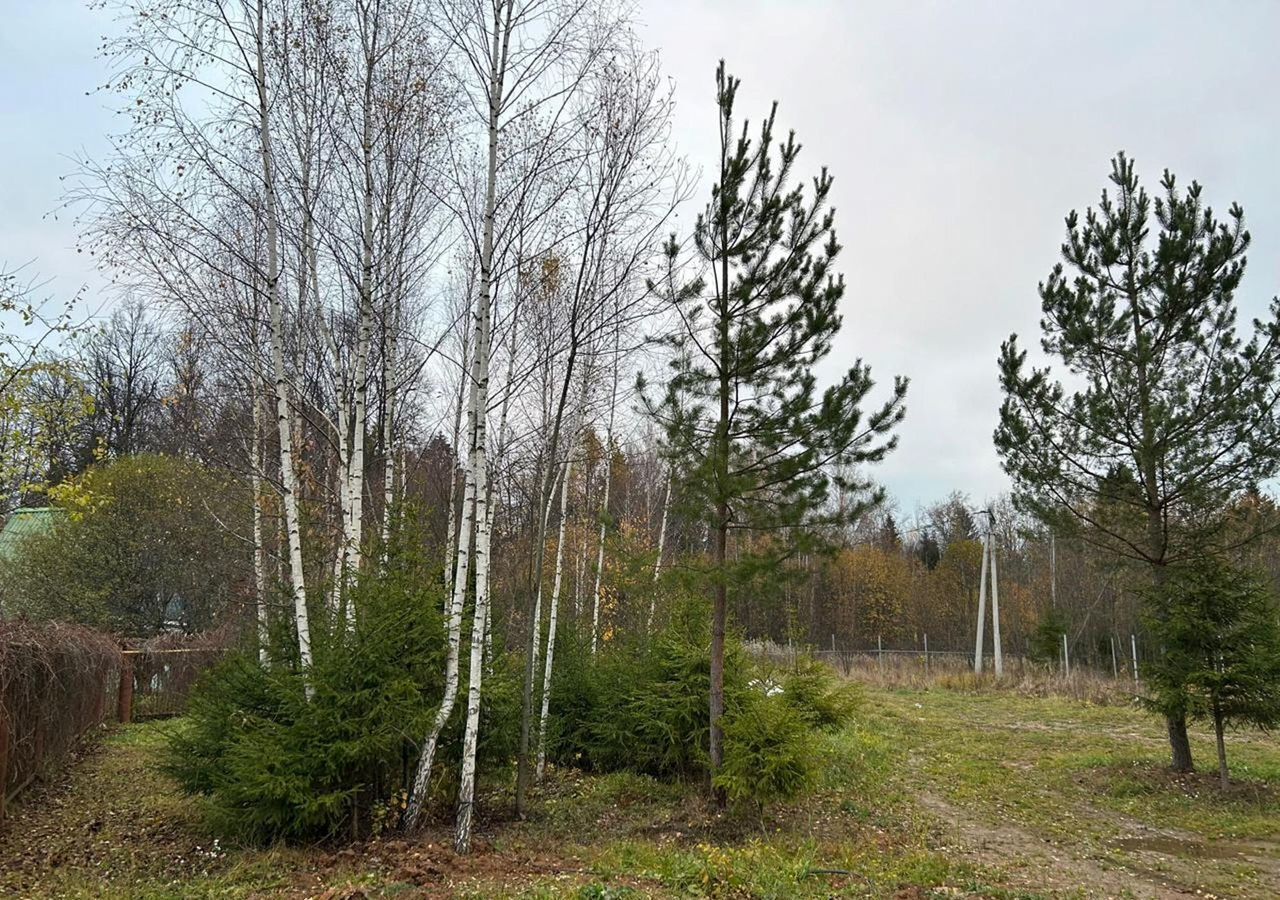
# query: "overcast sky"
959,135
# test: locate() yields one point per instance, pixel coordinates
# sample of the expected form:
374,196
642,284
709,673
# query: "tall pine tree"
1170,414
756,445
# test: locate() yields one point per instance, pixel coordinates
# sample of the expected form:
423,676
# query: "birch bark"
604,505
475,502
259,553
288,475
554,604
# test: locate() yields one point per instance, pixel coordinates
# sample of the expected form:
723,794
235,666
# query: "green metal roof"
22,523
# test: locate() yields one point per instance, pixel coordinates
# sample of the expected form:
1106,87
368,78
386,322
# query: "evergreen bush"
819,698
273,764
769,751
641,706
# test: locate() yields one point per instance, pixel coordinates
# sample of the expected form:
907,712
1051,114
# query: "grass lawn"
932,793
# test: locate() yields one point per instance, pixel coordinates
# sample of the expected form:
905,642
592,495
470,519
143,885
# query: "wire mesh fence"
1120,659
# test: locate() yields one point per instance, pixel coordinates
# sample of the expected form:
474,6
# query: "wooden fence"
160,675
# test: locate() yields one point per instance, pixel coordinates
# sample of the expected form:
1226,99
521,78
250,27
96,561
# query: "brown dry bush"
56,682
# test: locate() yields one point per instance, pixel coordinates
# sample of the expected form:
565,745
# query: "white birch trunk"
452,544
360,412
259,552
342,487
604,506
554,607
466,793
288,475
475,672
662,539
475,505
422,779
388,425
479,633
579,577
537,597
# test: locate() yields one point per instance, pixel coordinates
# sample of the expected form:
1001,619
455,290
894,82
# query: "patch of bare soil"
428,868
1031,862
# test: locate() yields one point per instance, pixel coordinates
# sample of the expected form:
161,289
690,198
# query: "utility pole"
995,611
982,610
988,559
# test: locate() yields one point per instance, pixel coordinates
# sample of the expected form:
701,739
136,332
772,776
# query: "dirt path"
1034,863
1140,861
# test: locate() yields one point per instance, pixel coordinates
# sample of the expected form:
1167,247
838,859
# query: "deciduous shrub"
143,549
56,682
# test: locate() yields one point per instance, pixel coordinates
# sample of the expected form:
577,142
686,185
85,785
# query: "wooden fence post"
4,759
124,704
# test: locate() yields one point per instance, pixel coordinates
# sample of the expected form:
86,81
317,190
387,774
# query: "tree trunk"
479,640
550,654
259,552
523,767
604,503
288,475
718,615
360,406
1179,743
452,526
1218,729
475,419
388,423
662,537
474,503
604,521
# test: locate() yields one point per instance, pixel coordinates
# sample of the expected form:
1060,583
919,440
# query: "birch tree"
156,212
